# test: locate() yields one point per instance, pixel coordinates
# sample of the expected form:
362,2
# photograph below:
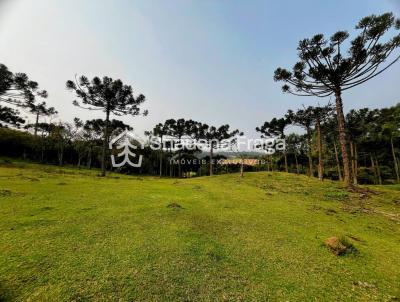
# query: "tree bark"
396,167
320,159
310,163
343,138
105,145
337,162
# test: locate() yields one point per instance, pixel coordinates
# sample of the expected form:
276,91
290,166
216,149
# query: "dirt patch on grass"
175,206
330,211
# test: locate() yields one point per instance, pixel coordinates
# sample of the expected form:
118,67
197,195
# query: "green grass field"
68,235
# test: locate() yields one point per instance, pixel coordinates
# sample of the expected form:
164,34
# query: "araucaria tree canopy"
110,96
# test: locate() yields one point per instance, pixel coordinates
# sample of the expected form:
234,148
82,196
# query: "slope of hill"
69,235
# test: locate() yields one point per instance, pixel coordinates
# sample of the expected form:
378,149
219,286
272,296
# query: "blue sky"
209,60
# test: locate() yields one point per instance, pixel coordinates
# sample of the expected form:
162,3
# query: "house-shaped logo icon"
124,142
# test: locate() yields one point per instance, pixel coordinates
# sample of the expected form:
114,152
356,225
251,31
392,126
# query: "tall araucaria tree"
111,97
325,68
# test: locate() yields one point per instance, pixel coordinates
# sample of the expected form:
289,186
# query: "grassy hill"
69,235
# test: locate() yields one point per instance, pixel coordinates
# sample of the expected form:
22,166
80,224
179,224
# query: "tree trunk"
396,167
378,170
286,164
241,167
61,154
179,164
37,123
272,163
374,170
398,164
179,158
170,163
161,158
310,164
337,162
352,159
297,163
105,145
89,163
355,171
320,159
79,161
211,160
42,153
343,138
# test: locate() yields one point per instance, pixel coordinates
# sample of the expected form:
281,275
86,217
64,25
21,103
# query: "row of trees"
373,137
194,130
324,69
372,134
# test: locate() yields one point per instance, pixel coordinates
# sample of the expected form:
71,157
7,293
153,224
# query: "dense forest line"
374,136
